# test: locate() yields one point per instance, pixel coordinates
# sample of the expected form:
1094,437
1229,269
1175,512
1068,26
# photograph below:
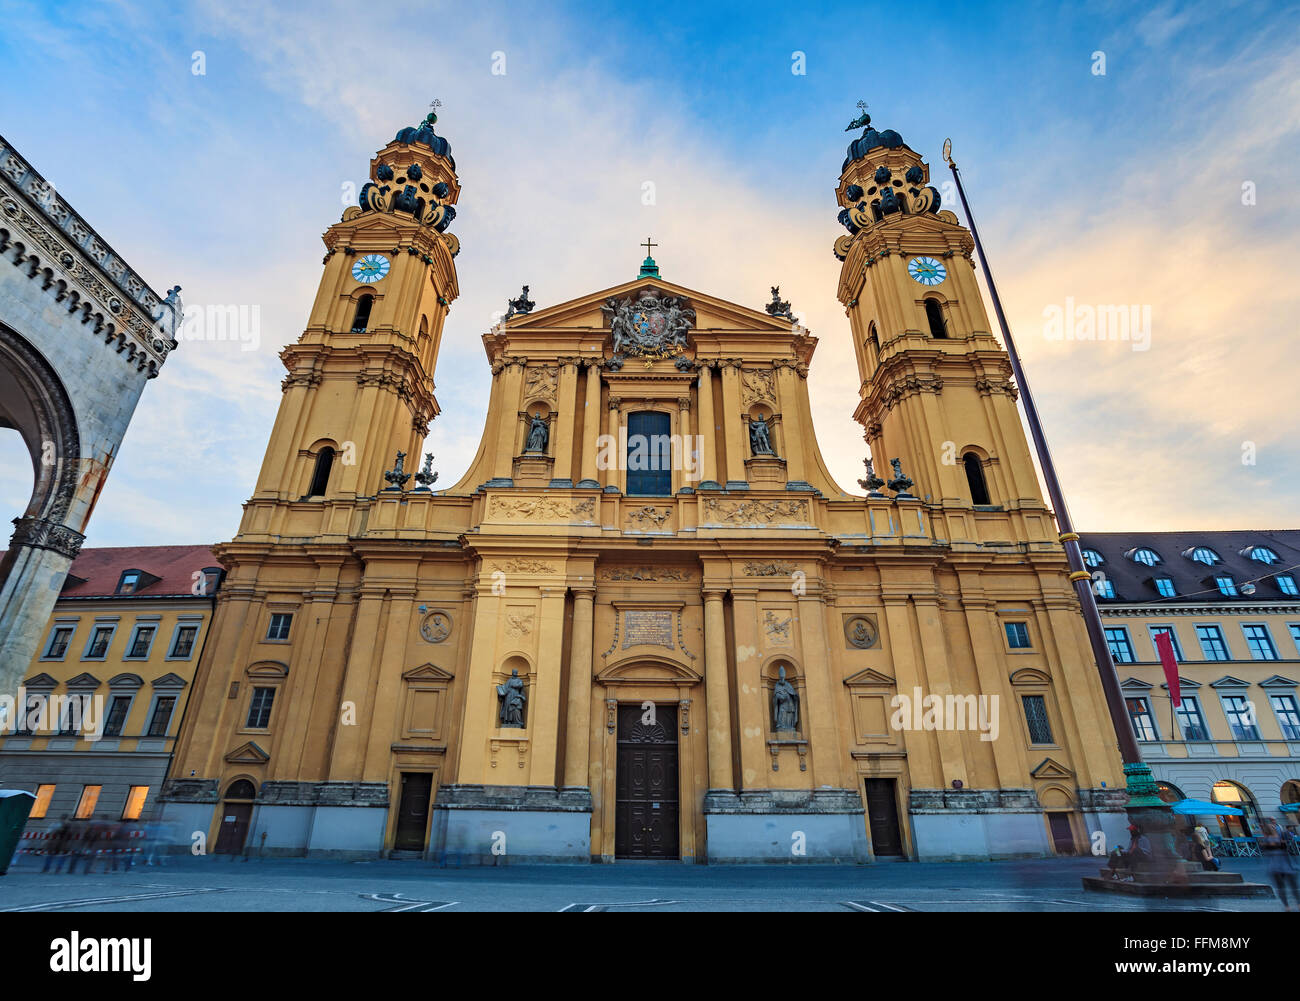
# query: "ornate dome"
869,140
423,133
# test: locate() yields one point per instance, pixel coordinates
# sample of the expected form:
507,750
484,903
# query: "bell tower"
360,382
936,390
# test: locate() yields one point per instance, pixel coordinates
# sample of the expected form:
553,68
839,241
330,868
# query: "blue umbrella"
1291,806
1197,807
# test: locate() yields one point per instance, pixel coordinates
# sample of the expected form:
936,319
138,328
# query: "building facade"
646,623
1231,603
80,335
93,730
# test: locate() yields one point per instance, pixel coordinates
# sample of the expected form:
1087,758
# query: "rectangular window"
117,710
1040,728
1139,711
1166,587
259,708
1103,587
1241,717
183,645
1287,715
75,708
86,805
44,794
1286,584
279,627
1295,636
649,455
1173,641
130,579
59,640
141,642
162,716
98,646
1212,643
135,802
1226,585
1190,719
34,716
1121,648
1018,635
1260,642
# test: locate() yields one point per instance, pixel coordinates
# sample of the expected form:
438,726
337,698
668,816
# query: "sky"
1136,155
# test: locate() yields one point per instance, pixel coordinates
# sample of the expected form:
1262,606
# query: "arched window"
979,490
242,789
934,313
1144,555
1093,558
873,338
321,478
1262,554
362,318
1169,793
1203,554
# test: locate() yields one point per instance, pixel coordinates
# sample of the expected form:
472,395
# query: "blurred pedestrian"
1206,848
59,846
1281,864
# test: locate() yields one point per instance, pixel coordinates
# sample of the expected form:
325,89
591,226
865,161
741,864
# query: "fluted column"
717,692
577,742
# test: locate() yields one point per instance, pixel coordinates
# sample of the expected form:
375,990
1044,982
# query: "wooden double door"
646,817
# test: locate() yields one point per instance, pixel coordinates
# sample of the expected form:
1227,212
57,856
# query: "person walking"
1206,848
1281,865
60,844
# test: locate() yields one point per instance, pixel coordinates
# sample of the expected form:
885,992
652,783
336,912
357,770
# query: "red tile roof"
101,569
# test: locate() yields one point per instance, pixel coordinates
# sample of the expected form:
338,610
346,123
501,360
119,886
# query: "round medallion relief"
436,626
861,632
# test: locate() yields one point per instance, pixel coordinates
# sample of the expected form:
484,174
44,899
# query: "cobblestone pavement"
219,884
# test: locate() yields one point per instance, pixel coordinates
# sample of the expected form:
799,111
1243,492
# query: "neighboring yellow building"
93,731
646,623
1232,603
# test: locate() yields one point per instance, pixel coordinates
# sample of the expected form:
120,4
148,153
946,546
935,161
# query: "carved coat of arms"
649,324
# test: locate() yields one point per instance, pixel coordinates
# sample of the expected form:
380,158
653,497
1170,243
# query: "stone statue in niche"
785,704
538,434
760,436
512,697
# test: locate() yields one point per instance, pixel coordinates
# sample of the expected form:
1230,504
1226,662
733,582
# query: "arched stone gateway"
80,334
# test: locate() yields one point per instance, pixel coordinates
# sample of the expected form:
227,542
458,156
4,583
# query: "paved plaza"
219,884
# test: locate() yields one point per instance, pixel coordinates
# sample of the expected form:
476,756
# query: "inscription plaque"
644,627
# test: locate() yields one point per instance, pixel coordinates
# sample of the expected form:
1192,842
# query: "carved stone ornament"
512,696
777,629
540,384
543,509
644,573
757,386
872,483
435,627
754,568
900,484
860,632
539,434
785,705
397,476
777,307
649,324
753,512
519,306
426,477
760,437
649,516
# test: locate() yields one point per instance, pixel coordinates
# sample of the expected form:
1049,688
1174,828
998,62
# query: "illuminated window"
43,796
86,805
135,802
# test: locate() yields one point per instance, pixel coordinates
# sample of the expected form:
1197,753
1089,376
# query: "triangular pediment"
41,680
711,312
169,681
83,680
869,678
1049,769
1135,683
247,754
1278,681
427,672
1228,681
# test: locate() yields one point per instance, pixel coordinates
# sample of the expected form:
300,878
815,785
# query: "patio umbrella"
1291,806
1198,807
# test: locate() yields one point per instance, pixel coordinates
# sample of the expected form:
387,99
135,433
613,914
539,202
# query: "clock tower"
936,390
360,382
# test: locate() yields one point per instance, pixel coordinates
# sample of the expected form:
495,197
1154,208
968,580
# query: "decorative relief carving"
524,566
543,509
779,568
777,628
647,627
436,626
519,623
987,387
757,386
749,512
909,385
649,515
860,631
541,384
645,573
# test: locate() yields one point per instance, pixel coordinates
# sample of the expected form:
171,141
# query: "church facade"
646,623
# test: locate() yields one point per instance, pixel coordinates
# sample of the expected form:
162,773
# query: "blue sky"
1122,188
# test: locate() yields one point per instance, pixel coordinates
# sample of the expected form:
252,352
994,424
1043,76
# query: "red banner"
1165,647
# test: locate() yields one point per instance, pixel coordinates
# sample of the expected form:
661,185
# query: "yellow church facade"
646,623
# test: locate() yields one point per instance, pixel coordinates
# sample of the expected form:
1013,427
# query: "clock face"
926,270
370,268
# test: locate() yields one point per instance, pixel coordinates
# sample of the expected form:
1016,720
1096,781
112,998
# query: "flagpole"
1140,784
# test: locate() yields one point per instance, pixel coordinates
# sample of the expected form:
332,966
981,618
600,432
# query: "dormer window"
1226,585
1261,554
1093,558
129,582
1286,584
1203,554
1144,555
1165,585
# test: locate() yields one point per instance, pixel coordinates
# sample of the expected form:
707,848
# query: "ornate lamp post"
1145,808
